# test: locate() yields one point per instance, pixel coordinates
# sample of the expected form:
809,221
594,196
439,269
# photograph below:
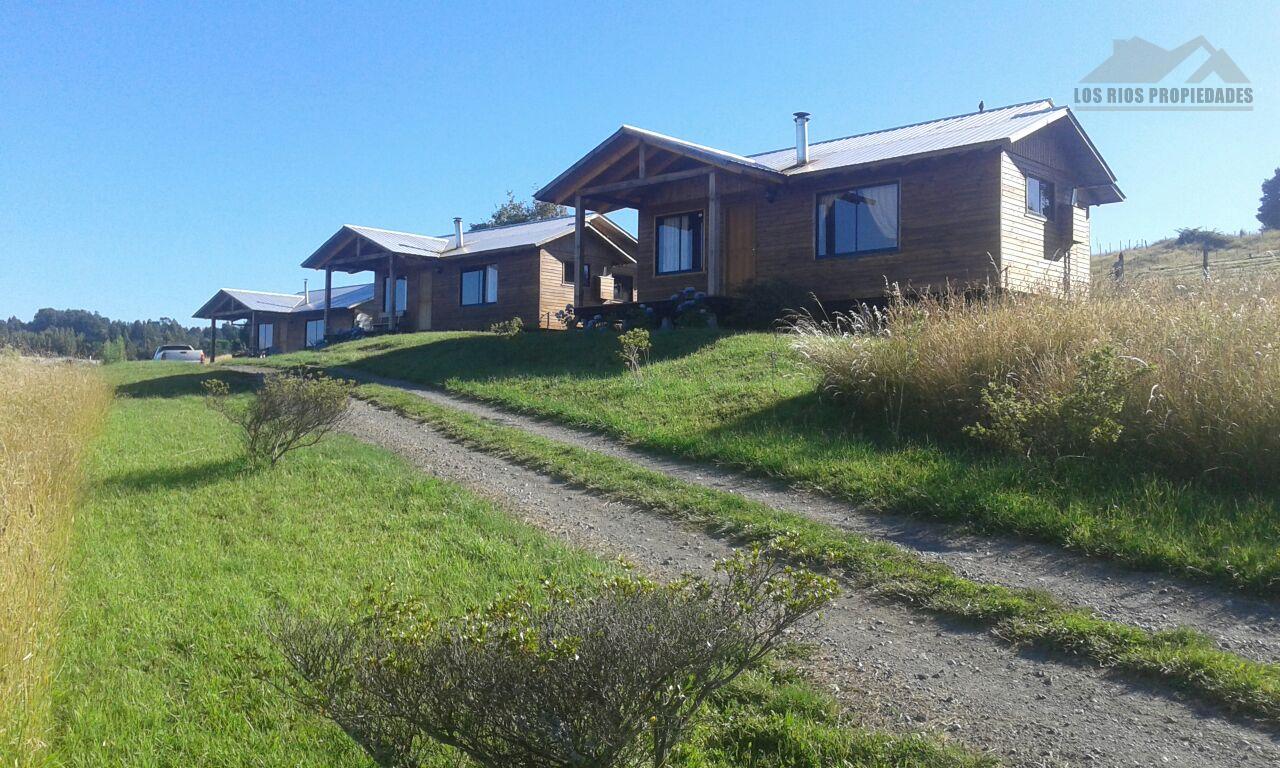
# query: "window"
861,220
678,243
1040,197
402,295
315,332
265,337
568,273
480,285
622,288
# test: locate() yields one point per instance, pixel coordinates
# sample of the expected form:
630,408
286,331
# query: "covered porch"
650,172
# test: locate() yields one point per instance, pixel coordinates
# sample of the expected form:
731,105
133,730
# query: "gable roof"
243,300
524,234
988,128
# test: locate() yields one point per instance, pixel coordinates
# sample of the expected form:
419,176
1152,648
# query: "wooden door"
740,244
424,299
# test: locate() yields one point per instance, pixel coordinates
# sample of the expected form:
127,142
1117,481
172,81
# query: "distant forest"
81,333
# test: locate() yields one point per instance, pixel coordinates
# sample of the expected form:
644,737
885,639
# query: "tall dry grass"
48,413
1204,398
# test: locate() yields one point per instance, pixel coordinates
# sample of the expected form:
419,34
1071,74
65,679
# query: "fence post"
1204,260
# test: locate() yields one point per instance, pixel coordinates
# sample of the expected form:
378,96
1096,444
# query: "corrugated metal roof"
406,243
999,124
344,297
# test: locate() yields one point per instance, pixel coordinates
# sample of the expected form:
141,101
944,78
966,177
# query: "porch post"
213,339
389,300
715,268
253,333
328,298
579,221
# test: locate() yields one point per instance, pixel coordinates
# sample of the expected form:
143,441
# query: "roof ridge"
335,288
912,125
261,293
393,231
508,226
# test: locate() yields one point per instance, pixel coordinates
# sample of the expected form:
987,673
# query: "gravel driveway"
895,666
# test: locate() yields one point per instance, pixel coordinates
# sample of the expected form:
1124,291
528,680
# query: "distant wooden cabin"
288,322
470,280
996,198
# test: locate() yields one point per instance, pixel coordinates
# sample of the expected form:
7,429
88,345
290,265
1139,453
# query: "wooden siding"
289,332
1036,254
555,293
948,232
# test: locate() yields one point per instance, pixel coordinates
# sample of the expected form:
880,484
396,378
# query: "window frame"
817,220
567,268
702,244
307,332
391,295
1026,194
483,269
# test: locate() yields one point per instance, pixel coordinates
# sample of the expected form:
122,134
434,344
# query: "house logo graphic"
1194,76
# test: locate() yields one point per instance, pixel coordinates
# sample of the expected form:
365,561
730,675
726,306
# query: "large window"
480,285
679,243
568,273
315,332
266,336
402,295
1040,197
861,220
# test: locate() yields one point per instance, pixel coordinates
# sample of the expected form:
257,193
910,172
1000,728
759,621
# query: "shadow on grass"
579,354
177,478
184,384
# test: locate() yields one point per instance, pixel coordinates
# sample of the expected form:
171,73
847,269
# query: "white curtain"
491,284
669,241
878,217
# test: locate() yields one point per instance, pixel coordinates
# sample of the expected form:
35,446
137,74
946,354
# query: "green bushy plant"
601,678
634,348
287,412
508,328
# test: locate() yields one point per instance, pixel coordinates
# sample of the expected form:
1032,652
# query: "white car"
181,353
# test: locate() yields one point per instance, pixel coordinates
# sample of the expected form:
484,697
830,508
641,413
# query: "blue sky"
151,153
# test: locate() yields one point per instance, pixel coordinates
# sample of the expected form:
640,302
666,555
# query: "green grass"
745,401
179,552
1181,658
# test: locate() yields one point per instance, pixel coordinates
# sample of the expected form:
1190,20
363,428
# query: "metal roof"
406,243
993,125
344,297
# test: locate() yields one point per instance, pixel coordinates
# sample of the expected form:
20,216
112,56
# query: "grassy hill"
1246,253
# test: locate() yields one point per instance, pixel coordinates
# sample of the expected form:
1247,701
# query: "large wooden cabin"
469,280
997,198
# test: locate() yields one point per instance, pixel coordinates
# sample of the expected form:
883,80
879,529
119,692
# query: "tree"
1269,209
515,211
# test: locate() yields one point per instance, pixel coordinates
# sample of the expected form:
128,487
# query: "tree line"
85,334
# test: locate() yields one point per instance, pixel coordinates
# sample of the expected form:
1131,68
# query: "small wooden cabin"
997,198
470,280
288,322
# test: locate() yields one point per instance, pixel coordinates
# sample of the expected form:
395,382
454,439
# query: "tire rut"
1243,624
894,666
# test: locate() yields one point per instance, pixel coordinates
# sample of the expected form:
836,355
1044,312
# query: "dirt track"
896,666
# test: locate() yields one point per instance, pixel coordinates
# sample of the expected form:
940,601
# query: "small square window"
1040,197
480,285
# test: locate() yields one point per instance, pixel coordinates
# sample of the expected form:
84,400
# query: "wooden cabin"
288,322
470,280
998,198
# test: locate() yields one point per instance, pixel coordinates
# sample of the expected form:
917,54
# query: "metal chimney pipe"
306,295
802,138
457,229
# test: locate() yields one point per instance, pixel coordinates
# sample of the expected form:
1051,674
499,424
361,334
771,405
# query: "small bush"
635,345
288,411
1203,238
691,310
508,328
610,677
568,317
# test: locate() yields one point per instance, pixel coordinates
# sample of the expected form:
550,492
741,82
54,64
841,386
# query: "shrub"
508,328
610,677
635,346
568,316
1195,369
691,310
766,303
1203,238
288,411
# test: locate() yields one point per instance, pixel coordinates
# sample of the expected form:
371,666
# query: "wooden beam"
596,167
389,291
626,186
328,299
579,222
715,267
213,339
643,150
664,163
